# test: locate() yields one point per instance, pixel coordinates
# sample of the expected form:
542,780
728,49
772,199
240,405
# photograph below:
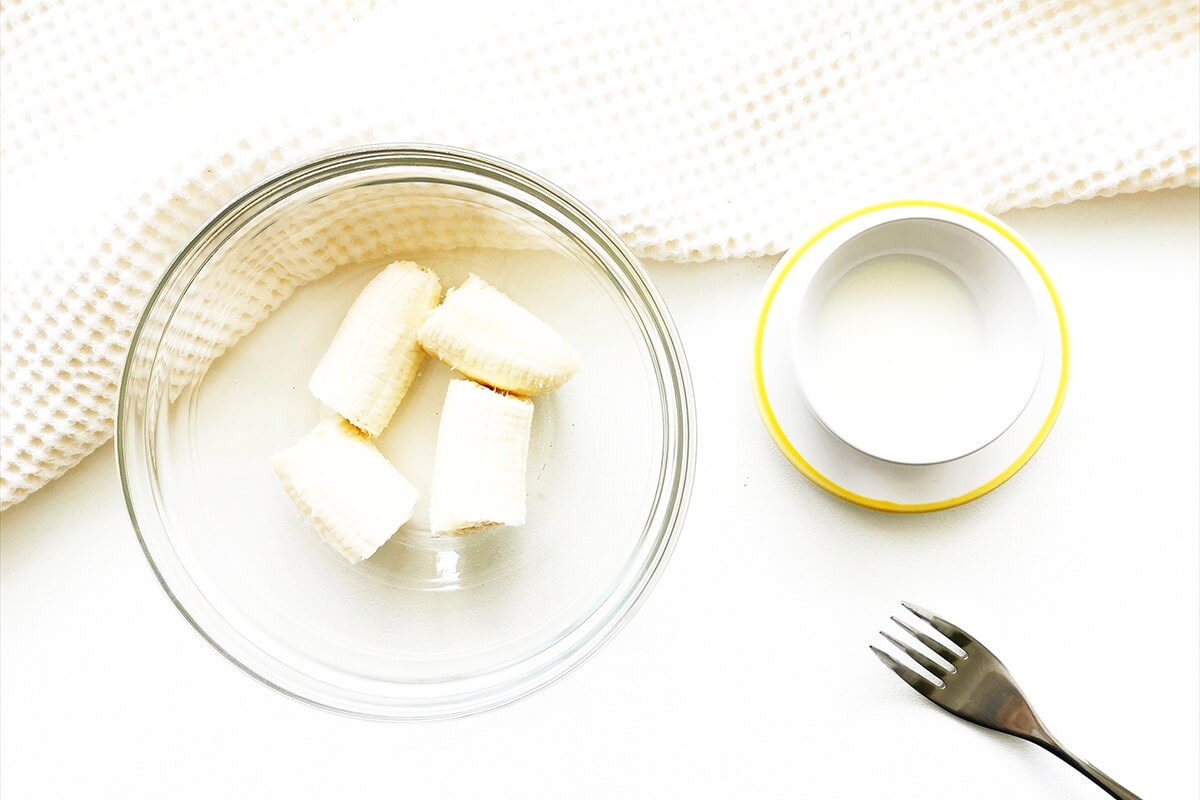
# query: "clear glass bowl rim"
679,410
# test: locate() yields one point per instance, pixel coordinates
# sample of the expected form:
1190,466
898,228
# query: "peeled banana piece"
479,465
345,488
481,332
374,355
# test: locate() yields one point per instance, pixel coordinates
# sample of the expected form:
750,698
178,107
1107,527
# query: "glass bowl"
216,382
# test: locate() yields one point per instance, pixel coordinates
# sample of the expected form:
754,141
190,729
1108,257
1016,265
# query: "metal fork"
975,686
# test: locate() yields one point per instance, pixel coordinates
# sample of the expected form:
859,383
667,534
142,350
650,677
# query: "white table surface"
747,672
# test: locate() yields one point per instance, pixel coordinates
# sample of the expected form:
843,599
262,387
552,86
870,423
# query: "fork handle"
1096,776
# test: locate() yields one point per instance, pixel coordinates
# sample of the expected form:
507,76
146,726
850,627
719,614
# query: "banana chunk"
374,355
486,336
479,465
345,488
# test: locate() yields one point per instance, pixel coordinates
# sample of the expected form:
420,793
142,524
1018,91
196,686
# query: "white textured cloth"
699,130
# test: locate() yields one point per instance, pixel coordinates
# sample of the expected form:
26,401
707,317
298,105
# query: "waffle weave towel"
699,130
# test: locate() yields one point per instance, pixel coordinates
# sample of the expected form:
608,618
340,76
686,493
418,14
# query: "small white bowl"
916,338
914,352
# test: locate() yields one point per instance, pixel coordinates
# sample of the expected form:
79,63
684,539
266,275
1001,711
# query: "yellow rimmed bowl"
890,436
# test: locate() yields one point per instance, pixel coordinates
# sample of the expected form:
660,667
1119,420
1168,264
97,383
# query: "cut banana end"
485,335
374,355
345,488
479,467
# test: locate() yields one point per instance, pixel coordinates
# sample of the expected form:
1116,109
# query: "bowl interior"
428,626
917,341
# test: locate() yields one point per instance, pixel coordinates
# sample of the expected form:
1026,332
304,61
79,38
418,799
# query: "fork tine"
913,679
916,655
951,632
933,644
